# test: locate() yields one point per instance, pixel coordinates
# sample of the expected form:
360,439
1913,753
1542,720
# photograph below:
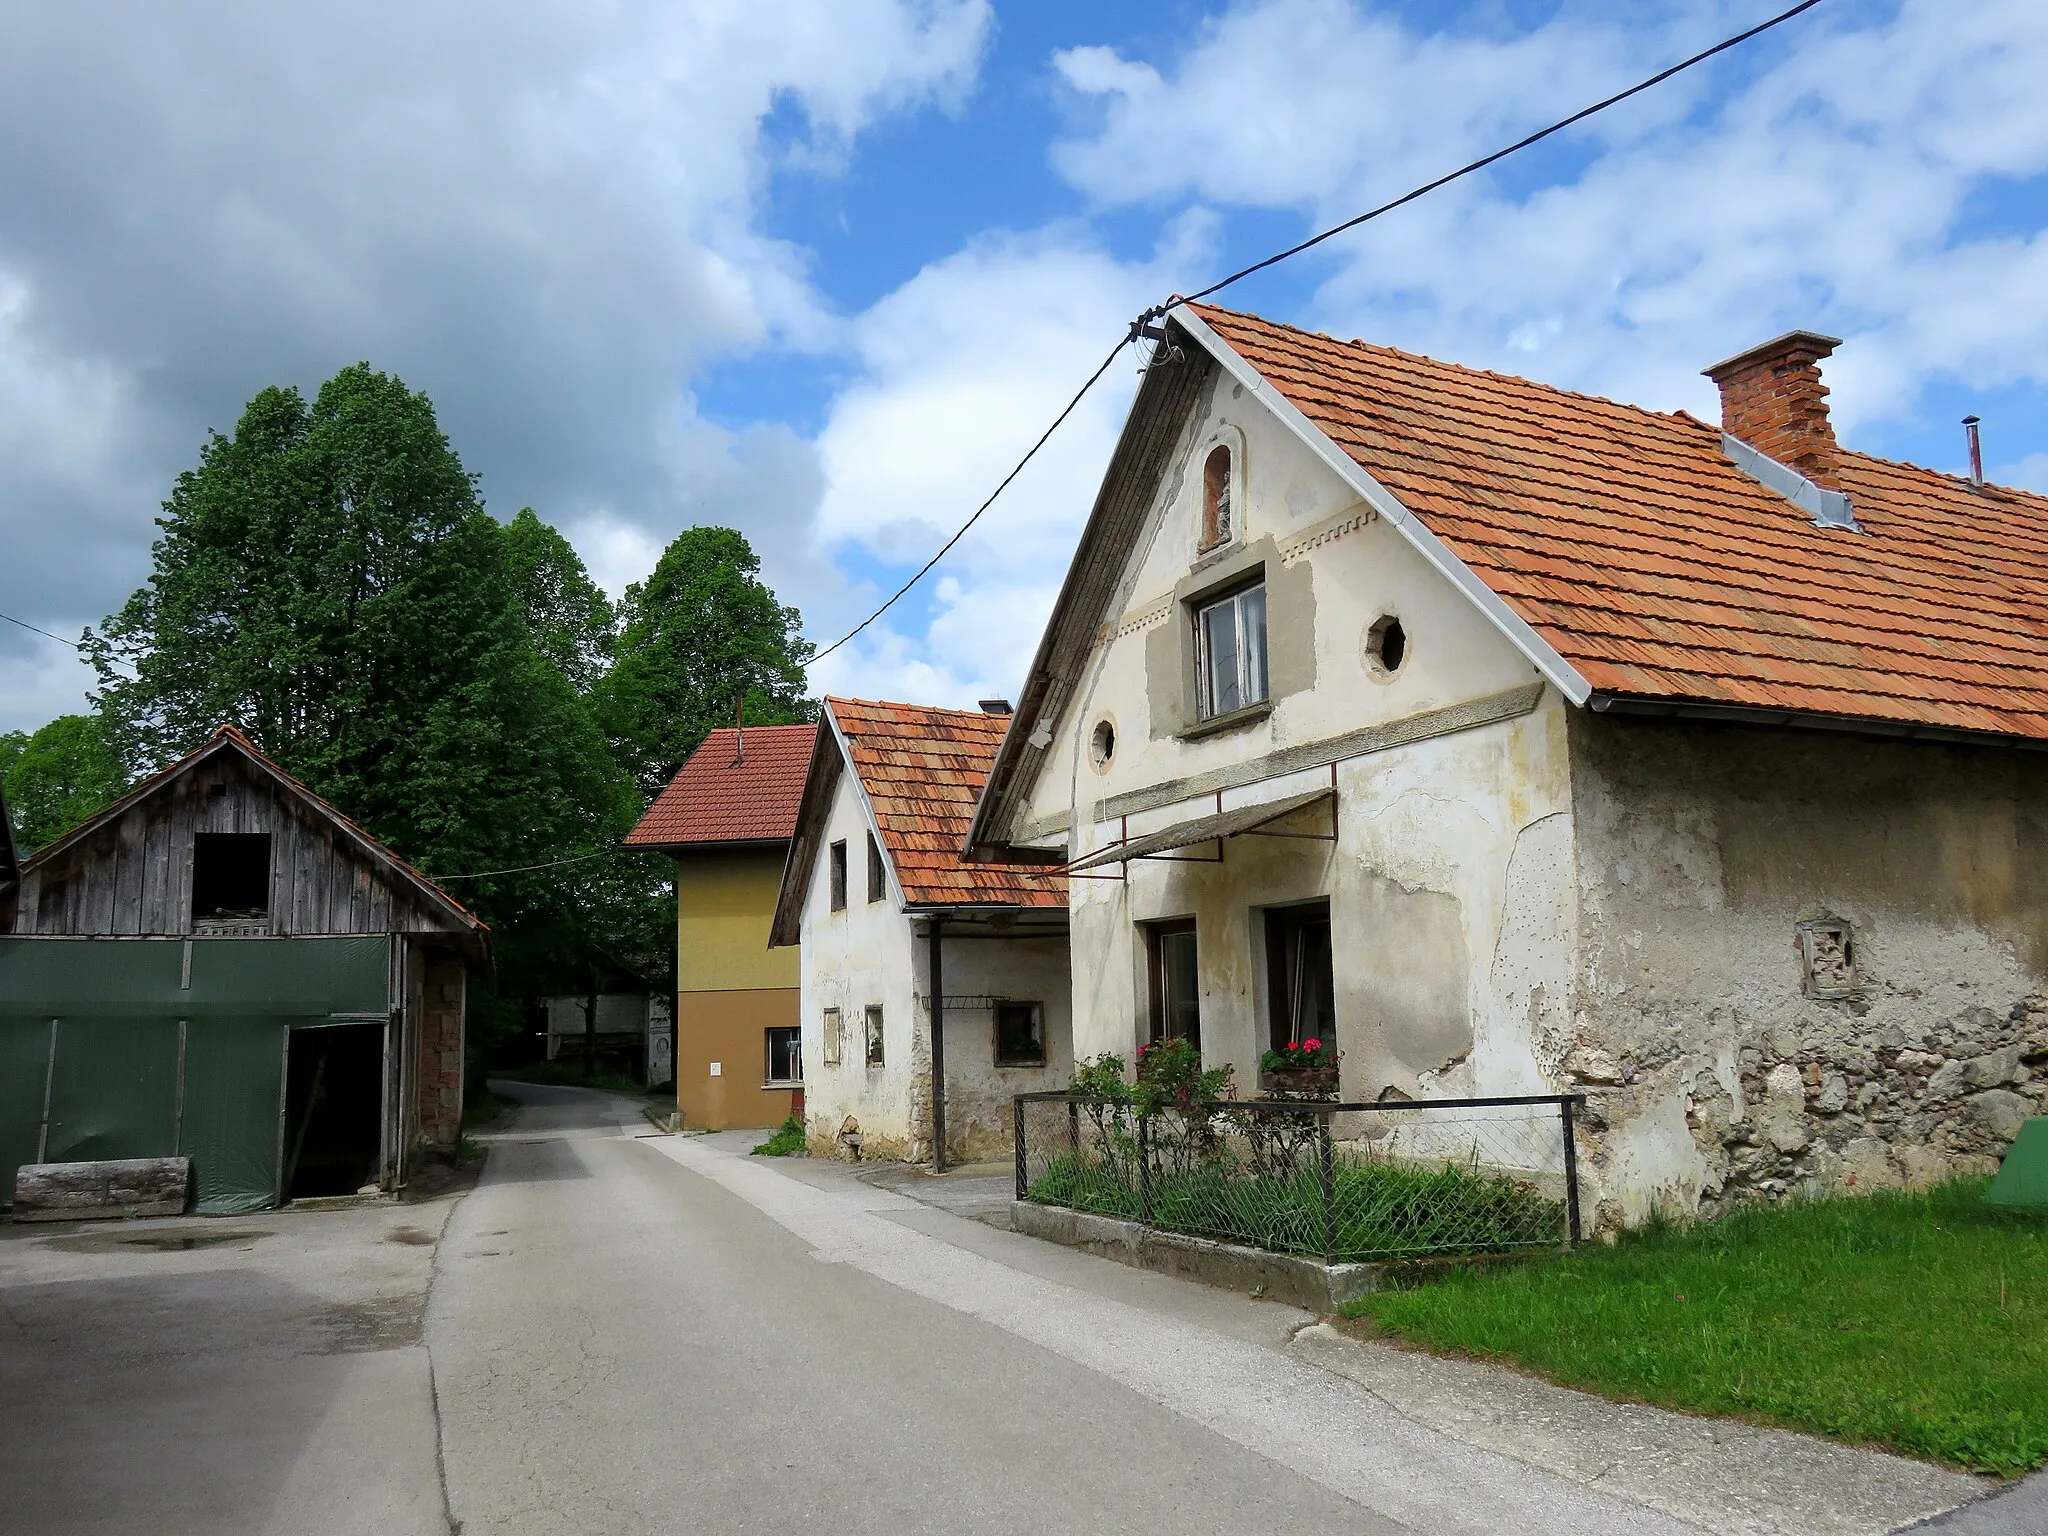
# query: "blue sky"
821,269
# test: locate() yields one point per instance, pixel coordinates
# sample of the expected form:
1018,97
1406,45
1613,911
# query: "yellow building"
726,819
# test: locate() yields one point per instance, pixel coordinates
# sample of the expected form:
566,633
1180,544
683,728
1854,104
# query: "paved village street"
622,1332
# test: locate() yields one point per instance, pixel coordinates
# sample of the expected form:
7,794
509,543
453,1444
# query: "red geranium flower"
1311,1045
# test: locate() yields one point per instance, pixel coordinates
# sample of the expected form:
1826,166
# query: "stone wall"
1804,961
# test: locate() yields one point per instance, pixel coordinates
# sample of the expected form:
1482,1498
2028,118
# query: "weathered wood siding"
134,875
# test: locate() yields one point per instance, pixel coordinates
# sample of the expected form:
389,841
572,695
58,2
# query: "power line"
485,874
1030,454
1500,154
10,618
1139,325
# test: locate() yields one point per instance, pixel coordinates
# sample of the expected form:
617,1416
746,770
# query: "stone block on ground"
136,1186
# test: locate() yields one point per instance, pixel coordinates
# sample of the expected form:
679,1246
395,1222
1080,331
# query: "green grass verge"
1917,1322
788,1140
1384,1210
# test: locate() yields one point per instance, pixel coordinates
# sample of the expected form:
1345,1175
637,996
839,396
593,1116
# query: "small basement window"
878,877
874,1034
230,874
785,1055
1020,1035
839,877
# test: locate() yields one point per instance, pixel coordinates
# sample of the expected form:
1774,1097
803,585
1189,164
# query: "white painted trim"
867,807
1561,673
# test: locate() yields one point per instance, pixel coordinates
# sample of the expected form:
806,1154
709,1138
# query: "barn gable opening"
230,875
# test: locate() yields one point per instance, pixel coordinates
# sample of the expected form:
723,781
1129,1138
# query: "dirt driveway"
206,1374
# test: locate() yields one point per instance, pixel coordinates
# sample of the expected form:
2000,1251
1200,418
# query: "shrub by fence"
1343,1183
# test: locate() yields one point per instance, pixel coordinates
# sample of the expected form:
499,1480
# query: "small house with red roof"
726,819
222,967
1526,742
934,989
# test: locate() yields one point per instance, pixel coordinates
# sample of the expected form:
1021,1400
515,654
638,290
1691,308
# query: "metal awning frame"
1084,868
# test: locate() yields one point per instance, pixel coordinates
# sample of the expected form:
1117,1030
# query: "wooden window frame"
1233,598
874,1046
1155,972
832,1041
878,873
836,875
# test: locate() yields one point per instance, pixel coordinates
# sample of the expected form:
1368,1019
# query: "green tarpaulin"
167,1046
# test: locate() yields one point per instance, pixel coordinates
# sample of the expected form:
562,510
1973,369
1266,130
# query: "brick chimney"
1772,398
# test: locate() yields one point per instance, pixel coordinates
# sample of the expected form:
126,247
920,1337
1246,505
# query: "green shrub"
788,1140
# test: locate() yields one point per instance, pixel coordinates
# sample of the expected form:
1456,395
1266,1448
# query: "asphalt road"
647,1334
618,1332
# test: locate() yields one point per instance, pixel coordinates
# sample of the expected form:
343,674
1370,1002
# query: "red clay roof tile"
923,769
1654,566
722,795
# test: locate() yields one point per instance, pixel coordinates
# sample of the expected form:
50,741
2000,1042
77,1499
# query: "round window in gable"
1102,744
1386,645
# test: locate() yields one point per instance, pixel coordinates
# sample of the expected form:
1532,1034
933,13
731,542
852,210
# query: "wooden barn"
221,966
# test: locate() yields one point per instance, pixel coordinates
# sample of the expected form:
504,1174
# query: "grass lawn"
1916,1322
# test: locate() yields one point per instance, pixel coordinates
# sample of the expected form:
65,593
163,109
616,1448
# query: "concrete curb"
1300,1282
1716,1475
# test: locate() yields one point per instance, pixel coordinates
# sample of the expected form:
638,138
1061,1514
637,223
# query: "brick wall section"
441,1017
1773,399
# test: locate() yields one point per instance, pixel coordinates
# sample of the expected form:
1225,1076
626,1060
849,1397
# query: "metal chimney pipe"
1976,451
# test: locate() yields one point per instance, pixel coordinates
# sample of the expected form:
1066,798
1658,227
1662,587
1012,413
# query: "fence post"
1017,1119
1074,1131
1571,1166
1145,1169
1328,1156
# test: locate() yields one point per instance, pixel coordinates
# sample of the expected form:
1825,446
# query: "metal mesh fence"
1342,1183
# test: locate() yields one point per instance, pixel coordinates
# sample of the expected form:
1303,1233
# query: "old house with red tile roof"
1696,767
934,989
726,819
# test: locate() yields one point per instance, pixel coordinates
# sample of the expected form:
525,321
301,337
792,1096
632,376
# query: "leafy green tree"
327,579
567,613
698,633
58,777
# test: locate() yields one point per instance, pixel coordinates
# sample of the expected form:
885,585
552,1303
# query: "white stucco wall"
1450,883
875,952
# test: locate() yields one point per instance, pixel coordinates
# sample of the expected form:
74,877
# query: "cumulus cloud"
960,370
544,215
1829,180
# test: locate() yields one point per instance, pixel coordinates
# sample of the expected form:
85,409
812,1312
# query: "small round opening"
1102,744
1386,644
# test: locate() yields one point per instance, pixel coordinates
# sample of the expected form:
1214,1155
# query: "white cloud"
544,215
961,369
1829,192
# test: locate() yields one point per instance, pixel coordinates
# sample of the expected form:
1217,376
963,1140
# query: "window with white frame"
833,1038
1230,651
874,1034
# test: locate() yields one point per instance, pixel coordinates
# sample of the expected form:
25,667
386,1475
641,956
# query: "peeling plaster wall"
1700,850
1451,883
851,959
873,952
979,971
